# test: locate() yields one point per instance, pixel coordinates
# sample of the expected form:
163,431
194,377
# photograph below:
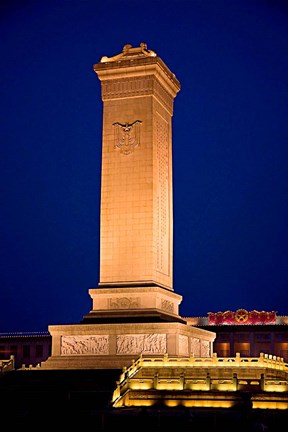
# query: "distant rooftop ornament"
129,52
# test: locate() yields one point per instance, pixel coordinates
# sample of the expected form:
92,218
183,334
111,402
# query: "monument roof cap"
130,52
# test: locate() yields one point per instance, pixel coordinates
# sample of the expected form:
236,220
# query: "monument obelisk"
135,309
136,196
136,220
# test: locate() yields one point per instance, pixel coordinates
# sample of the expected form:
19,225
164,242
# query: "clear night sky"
230,151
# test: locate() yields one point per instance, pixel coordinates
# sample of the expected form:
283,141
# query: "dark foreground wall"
62,400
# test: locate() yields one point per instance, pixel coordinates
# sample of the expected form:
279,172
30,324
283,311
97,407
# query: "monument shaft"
136,225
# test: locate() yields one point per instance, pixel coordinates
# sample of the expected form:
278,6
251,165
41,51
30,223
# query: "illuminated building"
246,332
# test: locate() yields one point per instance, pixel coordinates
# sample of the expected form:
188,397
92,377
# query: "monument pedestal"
133,304
124,323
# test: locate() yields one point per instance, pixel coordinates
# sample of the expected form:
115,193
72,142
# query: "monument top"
130,52
135,62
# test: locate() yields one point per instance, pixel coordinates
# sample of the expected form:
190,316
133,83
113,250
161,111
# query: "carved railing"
241,373
263,361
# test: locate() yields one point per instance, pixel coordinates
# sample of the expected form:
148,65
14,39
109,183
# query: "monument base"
114,346
126,322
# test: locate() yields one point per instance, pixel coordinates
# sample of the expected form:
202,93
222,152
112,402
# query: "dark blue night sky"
230,151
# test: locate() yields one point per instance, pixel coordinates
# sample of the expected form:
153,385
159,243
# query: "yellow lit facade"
200,382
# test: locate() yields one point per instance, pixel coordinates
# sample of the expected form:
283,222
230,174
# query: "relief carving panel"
195,347
167,305
71,345
183,345
141,344
205,349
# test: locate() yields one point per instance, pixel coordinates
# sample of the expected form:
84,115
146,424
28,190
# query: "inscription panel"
162,198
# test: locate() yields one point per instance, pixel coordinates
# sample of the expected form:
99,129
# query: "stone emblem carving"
127,136
124,303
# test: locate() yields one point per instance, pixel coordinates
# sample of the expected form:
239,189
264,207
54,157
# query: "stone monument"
135,310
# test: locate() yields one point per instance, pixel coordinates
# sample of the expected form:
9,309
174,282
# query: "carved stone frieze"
205,349
141,344
164,97
136,86
71,345
195,347
167,305
183,345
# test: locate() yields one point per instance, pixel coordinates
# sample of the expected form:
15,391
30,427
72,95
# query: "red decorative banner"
242,316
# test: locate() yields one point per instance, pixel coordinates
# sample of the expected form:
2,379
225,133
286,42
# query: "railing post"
262,382
155,383
208,381
182,379
235,382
